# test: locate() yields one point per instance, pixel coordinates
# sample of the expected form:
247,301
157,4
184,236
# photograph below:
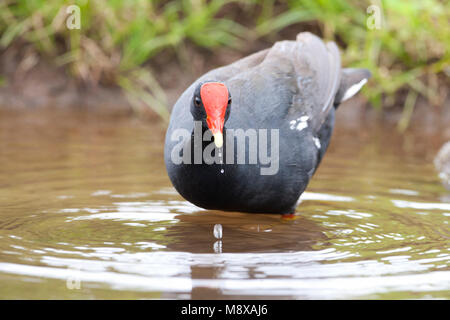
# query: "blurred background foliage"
408,55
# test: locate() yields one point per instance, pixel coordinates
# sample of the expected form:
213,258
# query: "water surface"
87,211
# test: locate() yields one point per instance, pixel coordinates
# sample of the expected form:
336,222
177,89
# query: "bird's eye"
197,101
229,100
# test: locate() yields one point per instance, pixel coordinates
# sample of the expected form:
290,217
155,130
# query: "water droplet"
222,171
218,231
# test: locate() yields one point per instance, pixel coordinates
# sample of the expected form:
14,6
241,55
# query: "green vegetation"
408,54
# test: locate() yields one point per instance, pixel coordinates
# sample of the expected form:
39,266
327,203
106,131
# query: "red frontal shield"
215,100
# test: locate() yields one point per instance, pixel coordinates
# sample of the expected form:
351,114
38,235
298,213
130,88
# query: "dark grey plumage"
291,87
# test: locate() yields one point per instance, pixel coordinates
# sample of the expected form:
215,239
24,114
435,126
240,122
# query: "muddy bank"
35,84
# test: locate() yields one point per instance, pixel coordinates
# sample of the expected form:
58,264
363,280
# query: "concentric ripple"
88,212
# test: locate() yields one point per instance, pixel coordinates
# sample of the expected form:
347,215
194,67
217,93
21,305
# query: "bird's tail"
352,81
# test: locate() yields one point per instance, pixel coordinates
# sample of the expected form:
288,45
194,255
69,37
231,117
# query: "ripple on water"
118,230
360,256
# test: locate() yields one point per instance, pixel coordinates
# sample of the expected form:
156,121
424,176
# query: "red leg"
289,216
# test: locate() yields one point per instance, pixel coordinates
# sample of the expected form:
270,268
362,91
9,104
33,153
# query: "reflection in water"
88,212
218,235
218,231
421,205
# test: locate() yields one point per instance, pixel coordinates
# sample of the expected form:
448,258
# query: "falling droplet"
222,171
218,231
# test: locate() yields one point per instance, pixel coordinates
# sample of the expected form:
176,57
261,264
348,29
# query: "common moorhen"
249,136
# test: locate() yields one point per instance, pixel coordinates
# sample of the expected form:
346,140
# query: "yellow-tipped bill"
218,139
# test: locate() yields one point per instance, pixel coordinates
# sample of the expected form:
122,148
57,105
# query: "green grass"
408,54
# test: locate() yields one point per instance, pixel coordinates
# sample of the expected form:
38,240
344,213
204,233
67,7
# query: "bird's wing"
317,67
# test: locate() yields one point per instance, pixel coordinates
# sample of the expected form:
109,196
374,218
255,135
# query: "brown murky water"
87,211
